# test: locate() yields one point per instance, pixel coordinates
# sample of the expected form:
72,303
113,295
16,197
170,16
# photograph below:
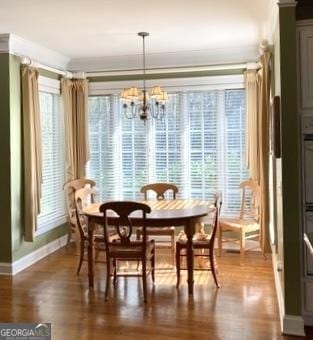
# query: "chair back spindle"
250,200
83,197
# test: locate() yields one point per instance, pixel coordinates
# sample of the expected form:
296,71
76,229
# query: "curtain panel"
264,82
75,103
257,140
252,133
32,150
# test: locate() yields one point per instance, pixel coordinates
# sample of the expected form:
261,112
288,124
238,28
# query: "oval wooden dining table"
177,213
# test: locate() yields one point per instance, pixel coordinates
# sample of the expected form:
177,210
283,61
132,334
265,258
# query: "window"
166,144
199,146
53,169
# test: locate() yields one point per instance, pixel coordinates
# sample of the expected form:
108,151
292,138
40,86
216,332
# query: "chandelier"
141,103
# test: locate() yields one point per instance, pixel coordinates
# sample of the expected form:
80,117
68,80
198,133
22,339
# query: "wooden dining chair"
247,224
70,188
84,197
160,191
202,244
125,249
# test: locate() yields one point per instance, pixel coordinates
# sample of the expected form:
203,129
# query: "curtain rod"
252,65
30,62
82,75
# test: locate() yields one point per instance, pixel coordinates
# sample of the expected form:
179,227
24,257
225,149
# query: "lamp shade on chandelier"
141,103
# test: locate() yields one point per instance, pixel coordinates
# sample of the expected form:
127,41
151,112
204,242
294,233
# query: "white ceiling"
102,28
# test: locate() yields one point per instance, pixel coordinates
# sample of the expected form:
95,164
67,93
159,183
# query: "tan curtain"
257,140
75,102
252,137
264,85
32,150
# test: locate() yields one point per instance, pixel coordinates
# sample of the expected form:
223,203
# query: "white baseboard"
293,325
33,257
290,324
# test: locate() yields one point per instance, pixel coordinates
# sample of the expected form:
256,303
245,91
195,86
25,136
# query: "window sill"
42,229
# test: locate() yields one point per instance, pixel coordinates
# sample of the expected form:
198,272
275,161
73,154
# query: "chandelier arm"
130,110
158,110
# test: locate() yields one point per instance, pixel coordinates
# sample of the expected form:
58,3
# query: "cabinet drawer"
307,125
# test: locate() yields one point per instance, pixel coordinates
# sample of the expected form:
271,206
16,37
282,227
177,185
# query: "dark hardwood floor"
244,307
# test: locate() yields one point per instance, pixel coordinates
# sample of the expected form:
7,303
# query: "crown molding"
287,3
238,54
13,44
40,55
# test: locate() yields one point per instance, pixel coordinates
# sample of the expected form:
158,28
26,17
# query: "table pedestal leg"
90,254
189,230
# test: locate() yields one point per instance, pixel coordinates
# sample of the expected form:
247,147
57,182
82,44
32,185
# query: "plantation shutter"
235,128
53,168
168,145
198,146
101,166
204,163
134,157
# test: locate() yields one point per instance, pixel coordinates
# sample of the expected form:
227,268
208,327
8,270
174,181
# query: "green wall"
16,149
12,244
49,74
169,75
290,162
5,201
278,250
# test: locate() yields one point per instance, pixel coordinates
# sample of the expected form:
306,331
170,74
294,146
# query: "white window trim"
171,85
50,86
57,222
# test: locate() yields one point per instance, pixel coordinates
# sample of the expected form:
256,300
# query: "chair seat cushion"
237,224
134,250
99,237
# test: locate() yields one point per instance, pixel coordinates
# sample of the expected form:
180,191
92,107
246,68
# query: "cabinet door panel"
309,230
308,296
306,67
308,171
